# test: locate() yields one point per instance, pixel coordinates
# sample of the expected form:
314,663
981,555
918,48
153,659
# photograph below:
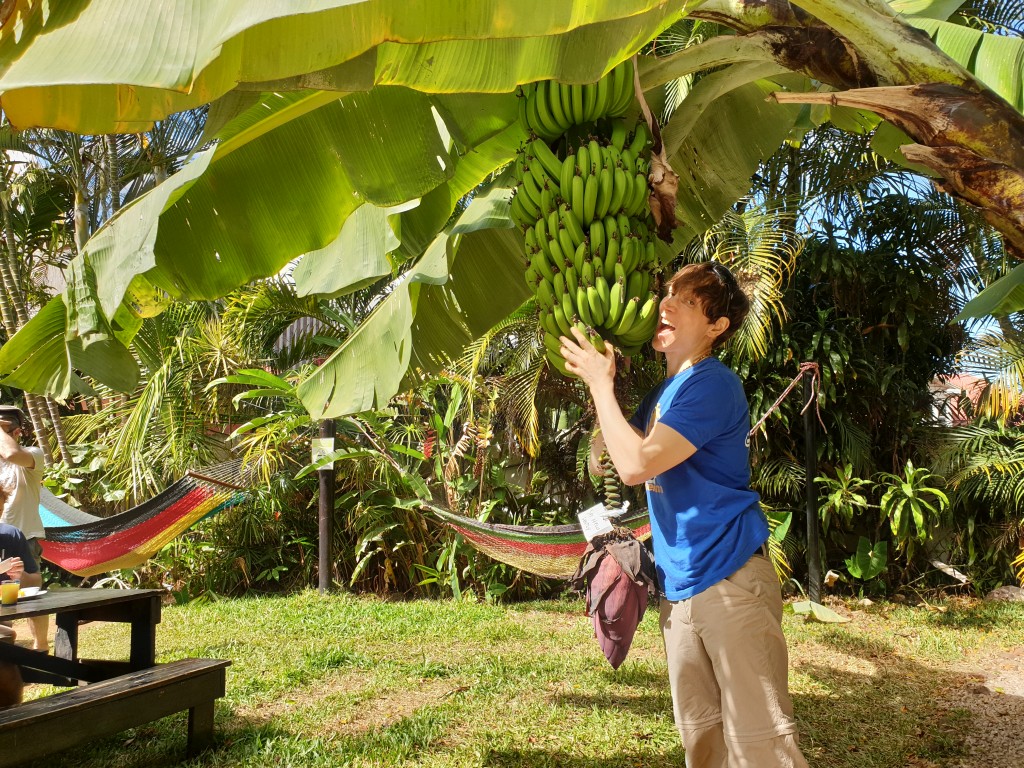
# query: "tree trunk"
15,311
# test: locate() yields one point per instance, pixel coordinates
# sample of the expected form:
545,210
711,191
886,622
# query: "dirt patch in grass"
992,694
350,703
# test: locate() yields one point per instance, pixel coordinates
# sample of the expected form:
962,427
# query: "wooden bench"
64,720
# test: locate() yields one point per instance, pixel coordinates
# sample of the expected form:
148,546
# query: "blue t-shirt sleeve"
640,415
701,410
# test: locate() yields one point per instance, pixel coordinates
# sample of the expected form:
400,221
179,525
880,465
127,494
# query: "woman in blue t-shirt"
721,618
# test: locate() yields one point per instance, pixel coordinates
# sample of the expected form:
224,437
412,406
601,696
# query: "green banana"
619,186
583,305
587,273
521,95
642,330
552,343
616,296
595,340
554,98
529,186
535,168
549,126
568,306
540,233
626,92
557,257
601,98
557,286
625,229
625,323
566,244
604,193
604,292
565,94
560,321
612,158
596,157
529,206
640,194
565,175
635,285
580,256
576,199
615,97
545,294
534,119
641,136
583,162
590,198
628,161
595,303
619,273
589,101
547,321
611,257
547,199
577,103
558,362
518,212
572,281
571,225
550,163
596,239
540,263
532,276
627,251
554,223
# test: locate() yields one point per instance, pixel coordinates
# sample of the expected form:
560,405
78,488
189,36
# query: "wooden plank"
64,720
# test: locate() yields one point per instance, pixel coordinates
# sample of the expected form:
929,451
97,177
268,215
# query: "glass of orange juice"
9,592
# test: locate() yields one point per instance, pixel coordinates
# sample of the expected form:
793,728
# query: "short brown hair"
718,292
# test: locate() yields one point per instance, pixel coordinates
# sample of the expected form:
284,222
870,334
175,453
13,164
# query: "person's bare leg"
41,633
40,624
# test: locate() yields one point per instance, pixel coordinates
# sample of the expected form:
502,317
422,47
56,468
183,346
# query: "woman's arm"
637,458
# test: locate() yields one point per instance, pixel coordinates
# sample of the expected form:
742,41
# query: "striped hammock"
552,551
87,545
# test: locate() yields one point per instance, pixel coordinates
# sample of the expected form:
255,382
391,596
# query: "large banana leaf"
995,60
422,321
1004,297
99,66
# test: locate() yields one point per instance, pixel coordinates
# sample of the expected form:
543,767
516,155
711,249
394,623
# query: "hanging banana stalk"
582,205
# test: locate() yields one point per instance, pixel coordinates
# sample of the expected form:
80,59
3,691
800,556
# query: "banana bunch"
587,226
549,109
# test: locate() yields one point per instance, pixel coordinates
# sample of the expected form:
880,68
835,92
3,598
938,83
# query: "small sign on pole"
323,446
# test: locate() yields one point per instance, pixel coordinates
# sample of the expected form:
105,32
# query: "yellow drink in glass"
9,592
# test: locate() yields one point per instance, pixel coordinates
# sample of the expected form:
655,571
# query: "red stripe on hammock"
81,555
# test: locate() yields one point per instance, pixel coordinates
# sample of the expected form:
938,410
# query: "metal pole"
326,513
811,469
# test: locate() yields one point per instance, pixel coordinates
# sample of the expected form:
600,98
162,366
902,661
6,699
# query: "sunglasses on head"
727,279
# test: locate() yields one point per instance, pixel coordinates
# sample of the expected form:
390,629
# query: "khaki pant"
728,669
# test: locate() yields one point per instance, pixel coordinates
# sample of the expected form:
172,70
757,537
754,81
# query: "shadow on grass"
886,716
512,758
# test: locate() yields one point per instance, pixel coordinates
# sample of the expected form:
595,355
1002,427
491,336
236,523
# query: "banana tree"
363,106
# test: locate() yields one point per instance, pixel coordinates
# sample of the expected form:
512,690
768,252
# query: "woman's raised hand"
583,360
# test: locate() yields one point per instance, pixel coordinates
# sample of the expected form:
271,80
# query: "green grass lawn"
358,681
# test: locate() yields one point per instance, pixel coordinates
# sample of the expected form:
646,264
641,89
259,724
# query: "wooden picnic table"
107,696
73,607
